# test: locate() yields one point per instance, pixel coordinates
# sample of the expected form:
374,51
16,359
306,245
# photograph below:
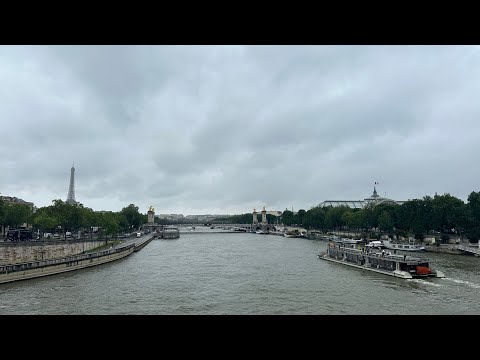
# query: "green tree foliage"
358,219
122,221
288,218
369,219
347,218
385,222
238,219
16,215
2,212
472,230
447,213
334,217
45,222
132,215
300,216
70,217
314,218
442,213
109,224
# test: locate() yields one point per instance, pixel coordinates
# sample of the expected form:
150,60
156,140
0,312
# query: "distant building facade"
15,200
171,217
374,200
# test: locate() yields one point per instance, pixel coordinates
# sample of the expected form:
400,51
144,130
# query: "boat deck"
404,266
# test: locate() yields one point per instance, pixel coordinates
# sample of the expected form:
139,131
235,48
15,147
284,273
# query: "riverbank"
15,272
31,251
455,249
52,266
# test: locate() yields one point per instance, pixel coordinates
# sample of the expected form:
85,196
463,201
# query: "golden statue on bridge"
151,209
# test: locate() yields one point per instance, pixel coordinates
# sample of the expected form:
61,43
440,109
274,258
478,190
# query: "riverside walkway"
33,269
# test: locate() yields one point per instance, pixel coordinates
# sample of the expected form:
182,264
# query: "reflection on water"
241,273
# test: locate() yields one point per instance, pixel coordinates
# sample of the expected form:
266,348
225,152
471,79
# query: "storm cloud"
225,129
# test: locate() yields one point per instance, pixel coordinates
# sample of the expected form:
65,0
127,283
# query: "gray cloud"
224,129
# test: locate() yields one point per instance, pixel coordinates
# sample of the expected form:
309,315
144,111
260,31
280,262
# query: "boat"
261,232
402,266
347,241
294,234
375,244
168,232
404,247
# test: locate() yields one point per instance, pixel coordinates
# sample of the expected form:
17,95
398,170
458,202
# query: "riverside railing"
9,268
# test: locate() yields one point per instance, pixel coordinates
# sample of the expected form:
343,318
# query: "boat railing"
377,254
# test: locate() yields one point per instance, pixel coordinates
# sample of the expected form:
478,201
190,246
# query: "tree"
446,212
17,214
358,219
43,221
472,231
334,217
133,216
2,214
347,218
109,223
385,222
287,218
314,218
299,216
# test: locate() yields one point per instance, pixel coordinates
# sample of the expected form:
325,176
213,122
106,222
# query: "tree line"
443,214
61,217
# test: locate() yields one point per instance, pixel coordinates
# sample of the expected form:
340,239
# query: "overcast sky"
225,129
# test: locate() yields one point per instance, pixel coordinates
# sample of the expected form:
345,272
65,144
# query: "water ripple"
243,274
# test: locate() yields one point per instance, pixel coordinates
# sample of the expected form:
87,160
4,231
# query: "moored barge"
402,266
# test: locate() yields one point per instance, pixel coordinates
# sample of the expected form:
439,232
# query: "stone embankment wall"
444,249
24,271
23,252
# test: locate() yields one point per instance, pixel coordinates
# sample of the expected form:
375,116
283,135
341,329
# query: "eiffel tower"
71,189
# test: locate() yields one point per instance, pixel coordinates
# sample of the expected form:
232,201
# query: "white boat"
347,241
261,232
403,247
294,234
376,244
402,266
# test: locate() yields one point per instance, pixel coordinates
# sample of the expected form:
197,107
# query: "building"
374,200
275,213
171,217
15,200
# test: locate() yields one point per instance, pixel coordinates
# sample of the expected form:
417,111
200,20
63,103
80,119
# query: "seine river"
240,273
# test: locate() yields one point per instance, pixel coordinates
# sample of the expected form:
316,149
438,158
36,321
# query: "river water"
242,273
